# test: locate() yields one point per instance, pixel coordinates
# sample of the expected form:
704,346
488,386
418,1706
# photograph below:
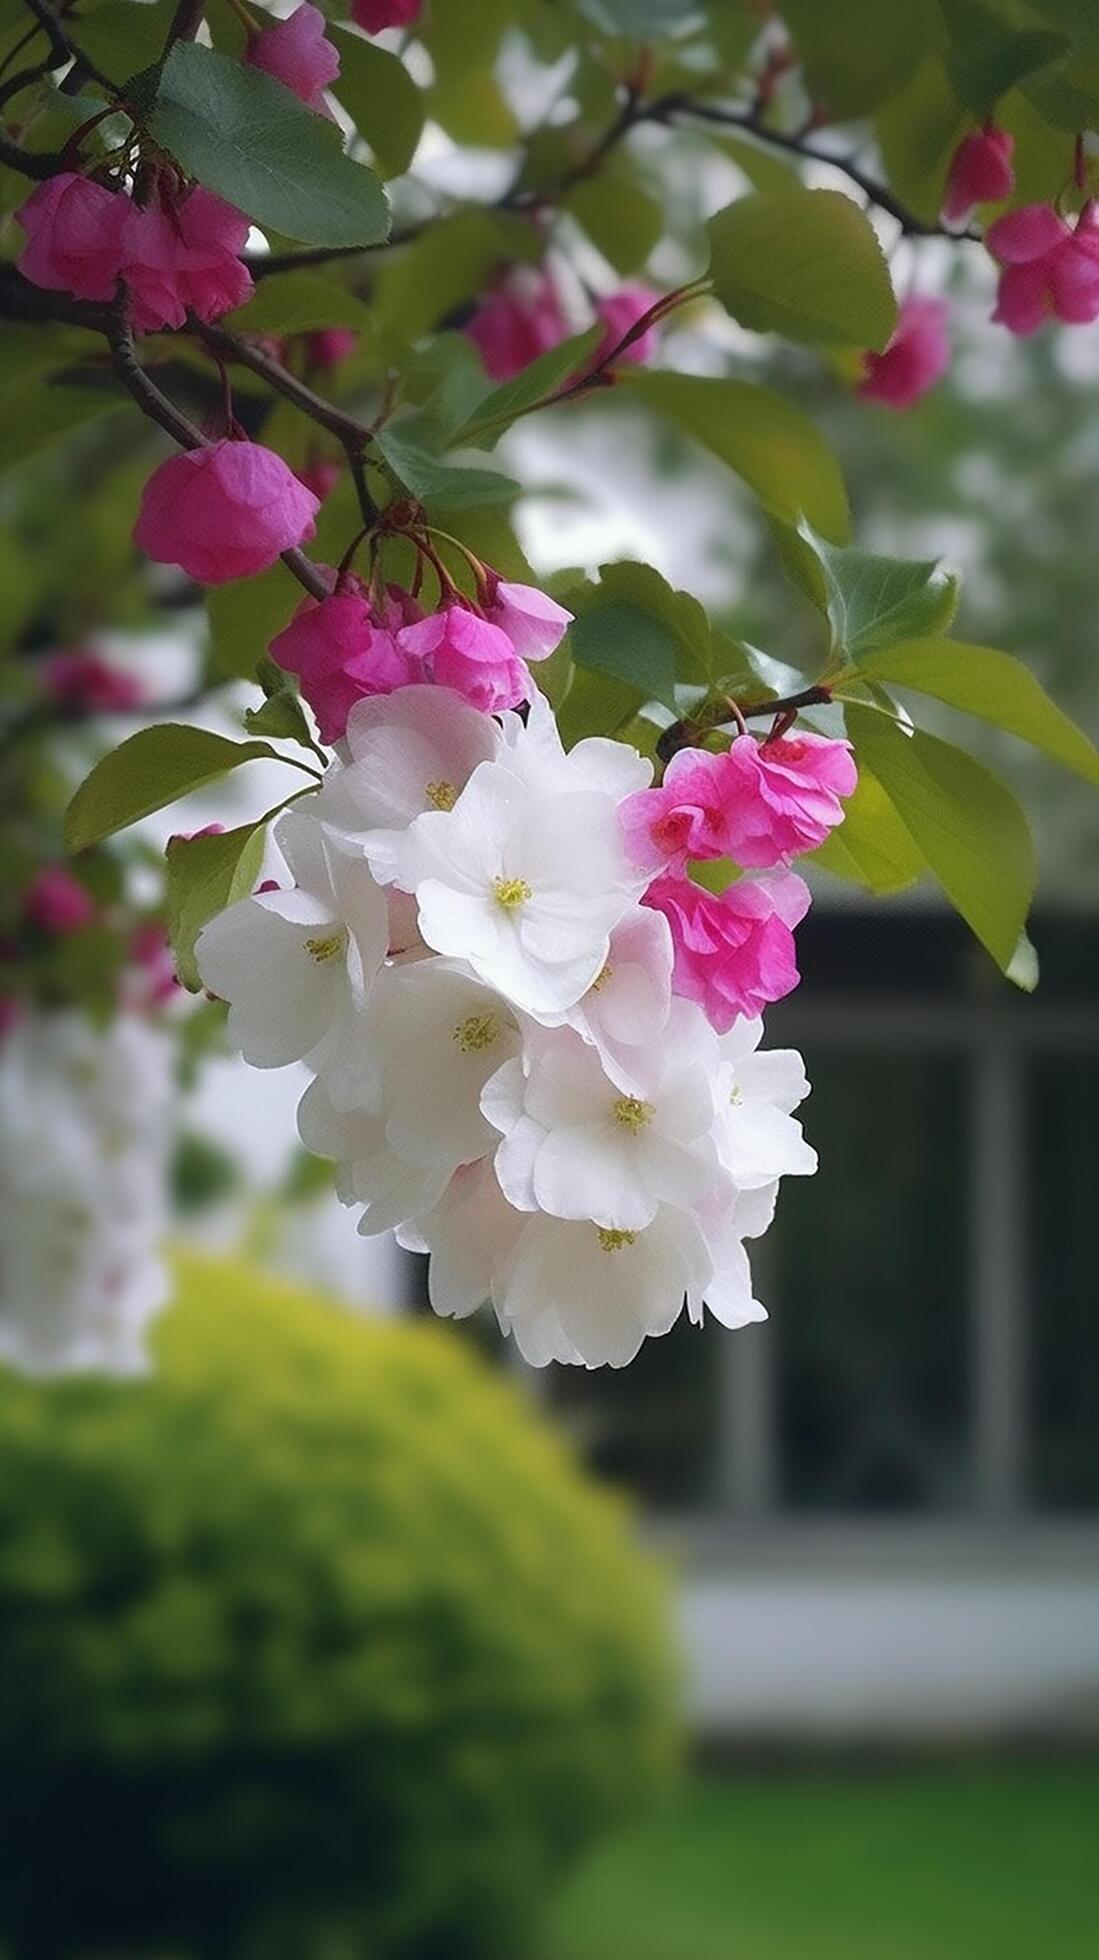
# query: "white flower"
471,1234
440,1033
625,1010
526,887
727,1217
295,966
758,1139
575,1145
411,751
576,1290
371,1173
533,751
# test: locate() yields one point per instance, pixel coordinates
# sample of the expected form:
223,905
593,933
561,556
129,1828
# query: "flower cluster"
536,1061
177,254
524,316
83,1178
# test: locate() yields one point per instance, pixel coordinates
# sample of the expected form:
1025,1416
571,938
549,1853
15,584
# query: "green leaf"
872,846
987,57
148,770
299,302
243,618
680,612
918,133
969,828
621,641
1023,971
622,220
450,262
34,414
205,874
447,383
539,378
597,704
121,38
859,53
380,97
806,264
249,139
992,685
426,477
874,602
763,437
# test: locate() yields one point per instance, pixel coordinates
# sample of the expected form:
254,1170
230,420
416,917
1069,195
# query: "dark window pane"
651,1425
870,1288
1064,1315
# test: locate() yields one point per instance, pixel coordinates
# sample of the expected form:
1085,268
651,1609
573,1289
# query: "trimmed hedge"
317,1642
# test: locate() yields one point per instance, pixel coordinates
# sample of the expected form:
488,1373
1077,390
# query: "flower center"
476,1033
632,1113
614,1241
441,795
601,979
736,1095
327,947
510,893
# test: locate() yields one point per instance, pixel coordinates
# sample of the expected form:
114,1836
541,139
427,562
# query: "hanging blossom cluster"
535,1040
84,1127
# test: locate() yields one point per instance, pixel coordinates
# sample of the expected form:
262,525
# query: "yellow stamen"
736,1095
632,1113
511,892
614,1241
442,795
329,947
477,1032
601,979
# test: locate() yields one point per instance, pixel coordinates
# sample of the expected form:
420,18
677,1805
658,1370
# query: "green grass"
943,1863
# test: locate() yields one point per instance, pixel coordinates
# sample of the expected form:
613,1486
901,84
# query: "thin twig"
684,734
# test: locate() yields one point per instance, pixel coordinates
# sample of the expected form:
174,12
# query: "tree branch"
684,734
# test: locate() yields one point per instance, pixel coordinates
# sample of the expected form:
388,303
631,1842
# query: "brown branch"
231,347
684,734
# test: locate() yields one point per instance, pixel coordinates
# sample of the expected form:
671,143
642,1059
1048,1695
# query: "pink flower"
329,346
1049,268
760,804
376,15
619,312
74,232
180,257
155,979
733,954
459,649
55,903
295,52
189,836
685,817
519,320
86,684
534,623
916,357
340,654
224,511
320,477
980,172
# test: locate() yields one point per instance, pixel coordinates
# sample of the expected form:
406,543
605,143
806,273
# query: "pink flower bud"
189,836
917,356
84,683
460,650
733,954
180,257
619,312
330,346
1049,269
519,320
534,623
376,15
74,232
155,979
295,52
340,654
980,172
56,904
222,512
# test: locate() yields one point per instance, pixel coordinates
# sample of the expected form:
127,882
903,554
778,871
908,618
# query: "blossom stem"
683,734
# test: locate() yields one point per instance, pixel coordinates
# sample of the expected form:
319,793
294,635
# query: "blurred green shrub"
316,1643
